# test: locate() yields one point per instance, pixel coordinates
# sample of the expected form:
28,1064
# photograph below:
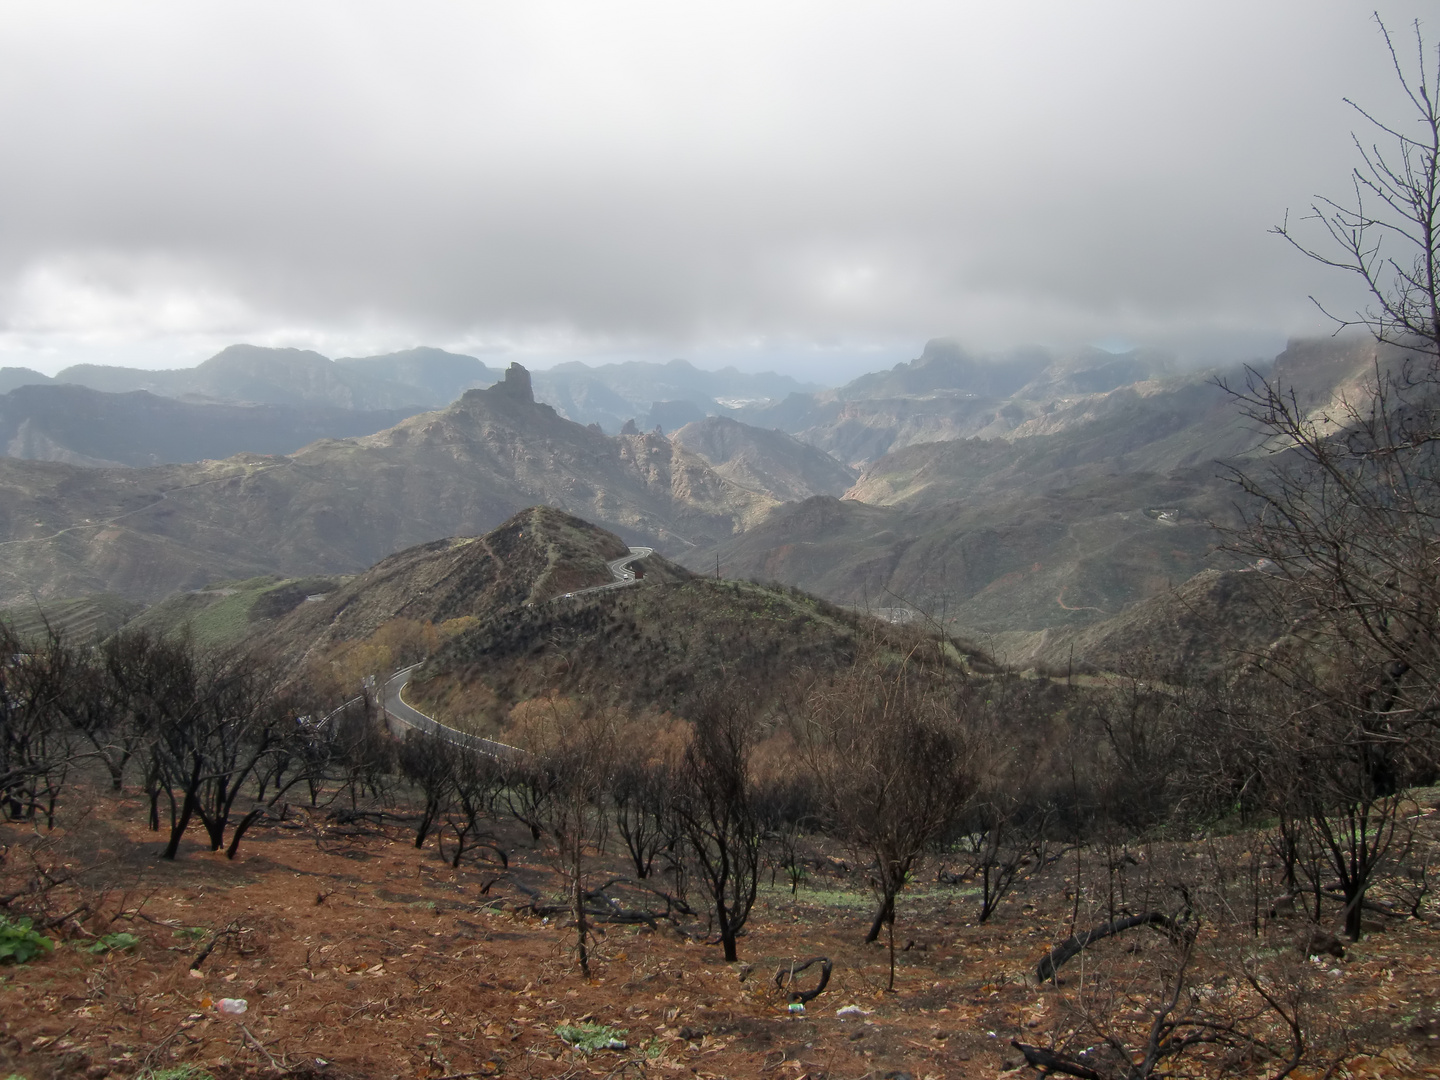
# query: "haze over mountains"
424,378
1007,495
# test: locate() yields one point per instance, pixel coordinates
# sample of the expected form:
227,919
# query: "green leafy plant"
111,942
19,942
190,933
588,1038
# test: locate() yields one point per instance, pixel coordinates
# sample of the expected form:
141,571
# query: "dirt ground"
359,956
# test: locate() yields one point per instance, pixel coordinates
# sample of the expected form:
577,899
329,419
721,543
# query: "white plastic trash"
232,1006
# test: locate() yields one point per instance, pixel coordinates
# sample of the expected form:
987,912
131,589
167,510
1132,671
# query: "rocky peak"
516,384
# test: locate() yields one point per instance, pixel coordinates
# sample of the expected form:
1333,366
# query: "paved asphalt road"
620,570
401,713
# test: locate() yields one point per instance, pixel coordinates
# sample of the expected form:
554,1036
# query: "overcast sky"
816,187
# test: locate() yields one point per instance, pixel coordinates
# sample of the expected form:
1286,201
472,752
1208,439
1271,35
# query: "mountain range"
411,381
1001,495
339,505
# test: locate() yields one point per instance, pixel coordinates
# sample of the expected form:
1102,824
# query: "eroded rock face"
516,384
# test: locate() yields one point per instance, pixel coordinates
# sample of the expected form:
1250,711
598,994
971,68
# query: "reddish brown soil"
360,956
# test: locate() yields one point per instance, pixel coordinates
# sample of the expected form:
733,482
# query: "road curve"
621,570
403,714
407,716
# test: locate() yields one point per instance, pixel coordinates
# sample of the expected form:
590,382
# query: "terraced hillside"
85,618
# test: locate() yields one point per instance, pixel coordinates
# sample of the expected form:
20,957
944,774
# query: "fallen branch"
1072,947
1045,1062
785,978
215,938
611,913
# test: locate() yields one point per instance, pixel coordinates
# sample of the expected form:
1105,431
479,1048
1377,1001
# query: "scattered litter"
797,1007
232,1006
853,1010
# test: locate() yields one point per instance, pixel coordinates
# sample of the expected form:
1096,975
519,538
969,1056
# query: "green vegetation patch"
20,942
589,1038
113,943
223,613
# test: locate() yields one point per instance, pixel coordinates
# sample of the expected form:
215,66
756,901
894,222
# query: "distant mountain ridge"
252,374
424,377
340,505
950,393
80,426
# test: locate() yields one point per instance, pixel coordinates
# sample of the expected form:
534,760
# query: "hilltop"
537,555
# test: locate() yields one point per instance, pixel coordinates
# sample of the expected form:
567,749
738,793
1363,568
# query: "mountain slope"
655,647
1199,627
340,505
538,554
1012,557
610,394
948,393
89,427
12,378
771,462
436,377
251,374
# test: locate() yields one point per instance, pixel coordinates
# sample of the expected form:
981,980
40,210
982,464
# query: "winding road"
401,713
621,569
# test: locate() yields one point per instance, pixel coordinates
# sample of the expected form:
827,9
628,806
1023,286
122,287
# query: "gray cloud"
794,180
